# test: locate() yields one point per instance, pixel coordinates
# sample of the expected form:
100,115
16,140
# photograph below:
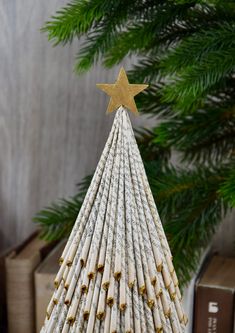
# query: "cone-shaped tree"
116,272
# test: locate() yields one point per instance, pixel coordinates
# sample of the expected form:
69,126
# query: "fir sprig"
186,51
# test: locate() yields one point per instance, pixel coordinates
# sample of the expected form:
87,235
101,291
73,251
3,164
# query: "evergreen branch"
198,47
207,136
227,189
76,18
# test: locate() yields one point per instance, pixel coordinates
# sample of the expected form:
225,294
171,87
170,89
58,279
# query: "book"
20,266
3,302
214,297
44,282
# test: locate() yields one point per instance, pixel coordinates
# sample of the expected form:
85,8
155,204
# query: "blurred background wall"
52,123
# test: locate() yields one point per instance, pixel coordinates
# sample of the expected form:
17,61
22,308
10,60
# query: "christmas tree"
186,51
116,272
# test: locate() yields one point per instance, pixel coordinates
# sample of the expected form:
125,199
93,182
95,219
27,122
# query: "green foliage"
186,51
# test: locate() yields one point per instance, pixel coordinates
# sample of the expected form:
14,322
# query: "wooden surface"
51,131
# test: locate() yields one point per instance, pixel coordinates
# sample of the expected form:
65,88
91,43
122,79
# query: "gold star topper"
122,92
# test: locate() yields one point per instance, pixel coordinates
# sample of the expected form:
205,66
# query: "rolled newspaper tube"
65,274
172,291
157,320
169,264
166,277
150,293
59,275
122,291
85,282
149,318
157,287
85,251
106,277
91,193
165,305
128,218
88,301
65,327
57,293
91,320
50,308
61,319
73,273
73,308
71,289
136,311
179,309
175,279
102,252
139,269
128,315
178,293
101,305
110,295
71,253
79,325
117,271
107,320
175,323
113,319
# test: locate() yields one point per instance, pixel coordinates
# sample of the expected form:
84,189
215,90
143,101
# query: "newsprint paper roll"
116,272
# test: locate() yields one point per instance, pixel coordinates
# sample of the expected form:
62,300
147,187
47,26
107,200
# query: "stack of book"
214,297
17,284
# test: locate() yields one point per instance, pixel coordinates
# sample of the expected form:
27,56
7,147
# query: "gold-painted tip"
61,260
131,284
167,313
91,275
71,320
151,303
159,330
159,293
159,267
84,289
56,284
100,268
67,302
55,300
48,315
69,263
117,275
110,301
142,290
122,307
100,315
66,286
154,280
86,315
173,295
105,285
185,319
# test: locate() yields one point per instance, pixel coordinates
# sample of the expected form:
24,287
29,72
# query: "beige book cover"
20,266
44,282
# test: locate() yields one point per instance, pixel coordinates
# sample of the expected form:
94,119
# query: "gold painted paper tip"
122,307
151,303
117,275
100,315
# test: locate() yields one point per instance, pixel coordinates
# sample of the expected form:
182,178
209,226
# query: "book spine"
213,311
20,294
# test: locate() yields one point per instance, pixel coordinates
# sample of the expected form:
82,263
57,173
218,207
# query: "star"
122,92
